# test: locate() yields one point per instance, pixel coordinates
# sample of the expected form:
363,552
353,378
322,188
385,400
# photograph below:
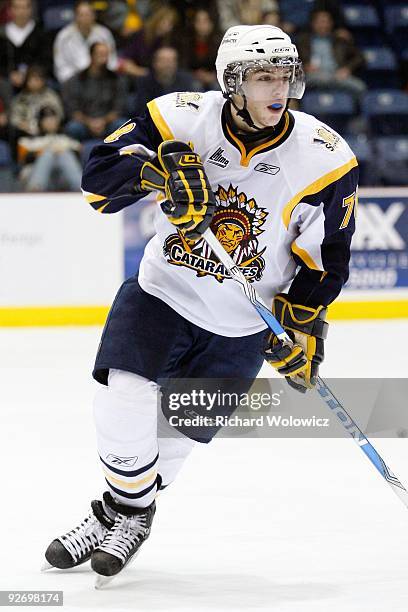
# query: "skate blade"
46,566
102,581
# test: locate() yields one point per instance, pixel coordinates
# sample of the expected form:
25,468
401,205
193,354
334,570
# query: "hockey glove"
307,327
179,173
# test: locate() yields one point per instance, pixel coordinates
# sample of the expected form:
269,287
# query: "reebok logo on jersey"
116,460
218,159
267,168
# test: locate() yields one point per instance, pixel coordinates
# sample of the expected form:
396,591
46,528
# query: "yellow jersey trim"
102,208
304,256
159,122
246,157
315,187
93,197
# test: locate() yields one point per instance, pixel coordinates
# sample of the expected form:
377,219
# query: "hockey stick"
328,397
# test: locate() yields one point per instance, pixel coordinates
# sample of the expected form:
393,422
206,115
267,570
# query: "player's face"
267,92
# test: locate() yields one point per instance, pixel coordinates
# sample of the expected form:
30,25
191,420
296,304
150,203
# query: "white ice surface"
279,525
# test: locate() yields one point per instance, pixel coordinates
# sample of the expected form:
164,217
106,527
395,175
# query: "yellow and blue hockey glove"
307,327
179,173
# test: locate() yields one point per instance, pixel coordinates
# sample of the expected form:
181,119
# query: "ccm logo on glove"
179,173
189,160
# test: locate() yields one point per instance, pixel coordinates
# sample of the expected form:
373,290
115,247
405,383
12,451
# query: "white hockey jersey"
285,209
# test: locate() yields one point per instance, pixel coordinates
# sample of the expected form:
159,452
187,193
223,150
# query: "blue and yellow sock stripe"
126,486
137,495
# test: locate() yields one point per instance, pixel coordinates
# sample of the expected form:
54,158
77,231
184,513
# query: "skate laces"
127,532
85,537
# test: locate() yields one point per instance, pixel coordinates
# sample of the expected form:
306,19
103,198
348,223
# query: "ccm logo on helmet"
281,50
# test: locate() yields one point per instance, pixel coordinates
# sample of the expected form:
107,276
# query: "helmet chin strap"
243,112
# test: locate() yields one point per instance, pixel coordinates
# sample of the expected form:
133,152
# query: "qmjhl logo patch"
267,168
218,159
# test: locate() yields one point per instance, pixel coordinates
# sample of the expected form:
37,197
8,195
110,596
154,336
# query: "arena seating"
364,22
333,107
381,69
396,23
363,150
392,159
57,17
386,111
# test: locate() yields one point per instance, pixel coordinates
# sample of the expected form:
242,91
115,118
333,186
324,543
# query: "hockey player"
278,189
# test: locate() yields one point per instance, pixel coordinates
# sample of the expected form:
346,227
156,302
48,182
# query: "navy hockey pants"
145,336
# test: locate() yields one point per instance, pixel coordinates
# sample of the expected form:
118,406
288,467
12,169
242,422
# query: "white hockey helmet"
245,48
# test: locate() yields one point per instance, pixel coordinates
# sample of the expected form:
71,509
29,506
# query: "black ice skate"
123,541
76,546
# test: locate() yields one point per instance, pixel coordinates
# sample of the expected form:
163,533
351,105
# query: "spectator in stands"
95,98
296,14
50,160
160,30
4,11
272,18
334,8
248,12
72,44
330,61
21,43
164,78
35,95
134,58
200,50
336,11
5,99
187,8
122,17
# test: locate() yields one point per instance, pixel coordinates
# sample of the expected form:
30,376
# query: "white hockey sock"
125,416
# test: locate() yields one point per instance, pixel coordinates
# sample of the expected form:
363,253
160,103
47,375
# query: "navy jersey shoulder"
110,176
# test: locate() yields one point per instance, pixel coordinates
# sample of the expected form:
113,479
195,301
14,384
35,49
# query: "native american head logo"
237,223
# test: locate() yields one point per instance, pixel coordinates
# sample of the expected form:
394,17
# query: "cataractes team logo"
237,223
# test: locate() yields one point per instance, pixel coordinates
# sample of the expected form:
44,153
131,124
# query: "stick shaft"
325,393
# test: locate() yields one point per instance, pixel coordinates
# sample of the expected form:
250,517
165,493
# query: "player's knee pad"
132,386
126,410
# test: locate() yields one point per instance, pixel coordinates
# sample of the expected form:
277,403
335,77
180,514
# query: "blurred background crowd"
72,72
